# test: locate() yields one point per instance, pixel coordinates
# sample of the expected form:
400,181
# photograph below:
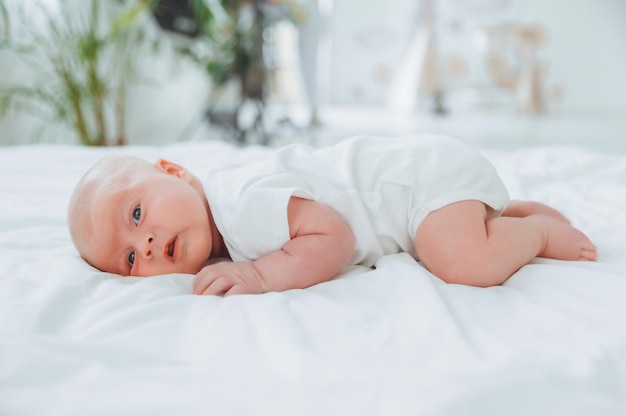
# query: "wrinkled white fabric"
389,341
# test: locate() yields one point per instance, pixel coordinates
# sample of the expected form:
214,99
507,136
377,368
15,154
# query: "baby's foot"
564,242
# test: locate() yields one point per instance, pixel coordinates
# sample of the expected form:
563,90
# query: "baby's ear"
172,168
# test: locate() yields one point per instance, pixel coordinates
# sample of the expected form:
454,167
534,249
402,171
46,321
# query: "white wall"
367,38
585,52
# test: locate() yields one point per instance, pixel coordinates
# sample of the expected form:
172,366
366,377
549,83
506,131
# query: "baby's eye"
131,258
137,215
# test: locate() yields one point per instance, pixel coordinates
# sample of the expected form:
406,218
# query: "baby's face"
149,222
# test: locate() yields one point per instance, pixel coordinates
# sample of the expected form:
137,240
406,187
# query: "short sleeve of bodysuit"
249,206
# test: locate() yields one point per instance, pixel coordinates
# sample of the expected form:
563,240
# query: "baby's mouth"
170,247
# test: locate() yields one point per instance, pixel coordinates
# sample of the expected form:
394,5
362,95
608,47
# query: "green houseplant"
83,55
228,41
82,59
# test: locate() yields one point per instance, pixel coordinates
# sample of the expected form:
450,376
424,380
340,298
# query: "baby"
298,217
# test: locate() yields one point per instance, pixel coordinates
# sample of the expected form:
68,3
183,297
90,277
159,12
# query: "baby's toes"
589,252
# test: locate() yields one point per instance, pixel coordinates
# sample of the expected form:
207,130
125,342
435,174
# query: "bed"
393,340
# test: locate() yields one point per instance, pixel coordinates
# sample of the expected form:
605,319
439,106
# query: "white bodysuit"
383,187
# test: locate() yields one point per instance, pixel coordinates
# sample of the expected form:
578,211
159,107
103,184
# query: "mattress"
391,340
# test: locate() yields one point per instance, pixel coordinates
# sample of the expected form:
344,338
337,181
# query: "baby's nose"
147,249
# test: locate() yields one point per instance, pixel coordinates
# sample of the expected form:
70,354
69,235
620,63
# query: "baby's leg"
459,245
518,208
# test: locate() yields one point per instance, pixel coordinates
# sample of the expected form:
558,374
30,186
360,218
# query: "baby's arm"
321,245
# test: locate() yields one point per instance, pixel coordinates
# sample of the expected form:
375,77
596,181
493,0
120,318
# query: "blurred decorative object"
512,64
309,46
529,89
82,56
186,17
418,76
229,44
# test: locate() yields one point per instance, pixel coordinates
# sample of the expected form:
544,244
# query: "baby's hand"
228,278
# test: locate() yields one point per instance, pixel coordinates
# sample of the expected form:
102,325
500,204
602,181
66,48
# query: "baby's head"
131,217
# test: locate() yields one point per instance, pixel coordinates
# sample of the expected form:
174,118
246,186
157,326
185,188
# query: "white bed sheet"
389,341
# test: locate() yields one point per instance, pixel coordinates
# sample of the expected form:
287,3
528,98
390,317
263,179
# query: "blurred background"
496,73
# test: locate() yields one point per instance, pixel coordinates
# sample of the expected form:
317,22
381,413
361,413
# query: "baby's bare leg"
459,245
522,209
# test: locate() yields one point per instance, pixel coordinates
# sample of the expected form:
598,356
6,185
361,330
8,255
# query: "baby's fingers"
219,287
200,283
205,281
238,289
